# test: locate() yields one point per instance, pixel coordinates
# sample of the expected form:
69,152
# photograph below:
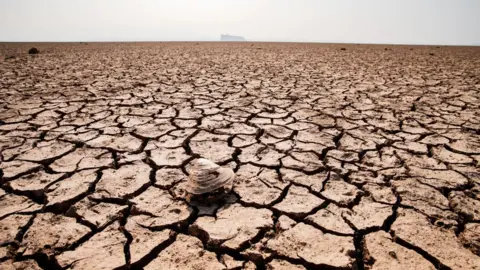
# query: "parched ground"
363,158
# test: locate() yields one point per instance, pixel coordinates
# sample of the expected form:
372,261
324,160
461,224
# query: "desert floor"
366,157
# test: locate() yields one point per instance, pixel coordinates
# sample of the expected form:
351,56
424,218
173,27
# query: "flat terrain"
365,157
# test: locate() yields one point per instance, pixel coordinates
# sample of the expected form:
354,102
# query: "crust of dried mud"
363,158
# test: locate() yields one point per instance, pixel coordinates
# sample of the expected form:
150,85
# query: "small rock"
33,51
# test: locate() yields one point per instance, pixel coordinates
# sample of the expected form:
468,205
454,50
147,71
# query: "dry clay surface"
359,158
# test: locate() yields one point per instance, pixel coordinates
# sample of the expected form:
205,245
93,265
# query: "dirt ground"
366,157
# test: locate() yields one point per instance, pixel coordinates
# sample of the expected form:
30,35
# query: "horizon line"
245,41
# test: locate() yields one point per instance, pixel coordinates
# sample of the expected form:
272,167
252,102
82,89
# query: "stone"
33,50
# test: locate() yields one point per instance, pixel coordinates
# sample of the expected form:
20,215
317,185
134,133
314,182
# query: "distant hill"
231,38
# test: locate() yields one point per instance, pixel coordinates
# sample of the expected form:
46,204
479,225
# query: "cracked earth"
363,158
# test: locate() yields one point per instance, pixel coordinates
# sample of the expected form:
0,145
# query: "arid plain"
346,156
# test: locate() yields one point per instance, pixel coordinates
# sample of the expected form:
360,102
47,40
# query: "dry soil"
365,157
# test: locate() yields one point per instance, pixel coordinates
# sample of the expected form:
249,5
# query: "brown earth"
362,158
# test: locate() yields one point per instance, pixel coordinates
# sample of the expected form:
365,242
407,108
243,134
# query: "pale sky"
358,21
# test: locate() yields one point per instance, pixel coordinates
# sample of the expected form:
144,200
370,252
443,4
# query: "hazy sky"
362,21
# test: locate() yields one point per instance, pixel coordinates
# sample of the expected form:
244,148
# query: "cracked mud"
362,158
